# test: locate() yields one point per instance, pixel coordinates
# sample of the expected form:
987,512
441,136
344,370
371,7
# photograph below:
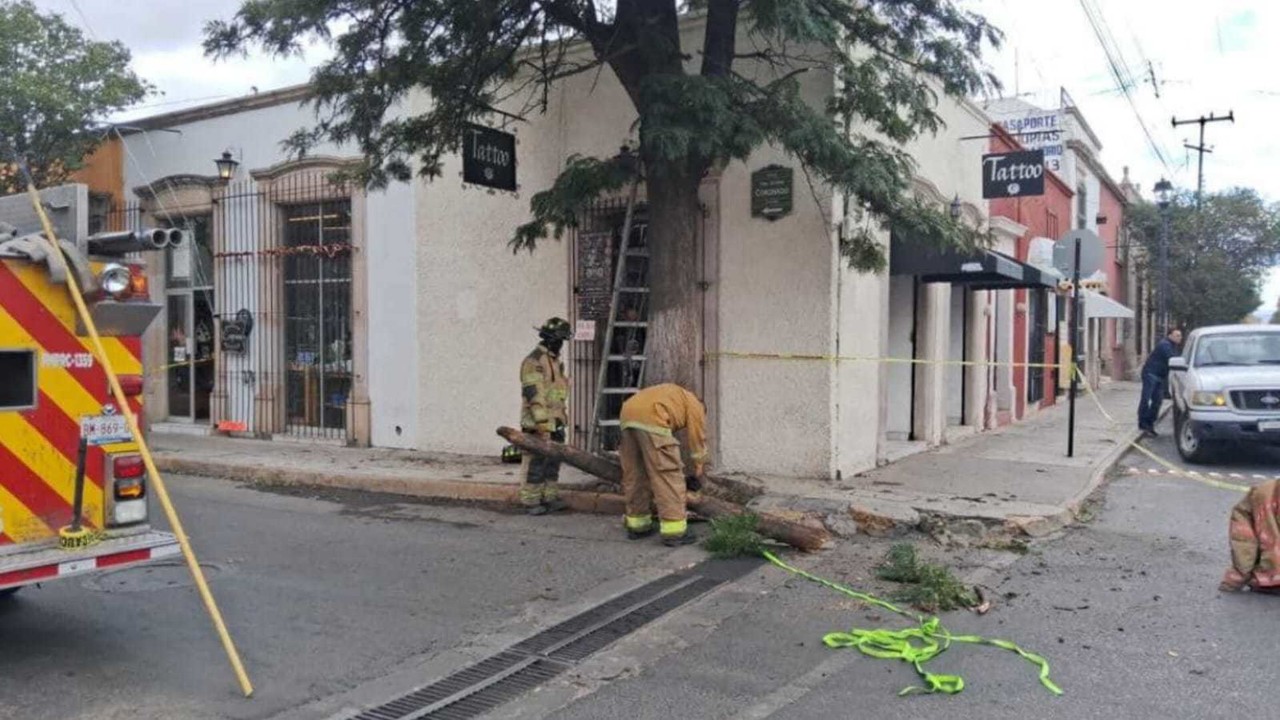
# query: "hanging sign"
595,275
771,190
1013,174
489,158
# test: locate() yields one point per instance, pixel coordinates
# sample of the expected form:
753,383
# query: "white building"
441,311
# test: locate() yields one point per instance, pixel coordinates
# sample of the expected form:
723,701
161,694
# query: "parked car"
1226,388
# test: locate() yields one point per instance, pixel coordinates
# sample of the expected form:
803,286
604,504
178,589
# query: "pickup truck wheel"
1191,448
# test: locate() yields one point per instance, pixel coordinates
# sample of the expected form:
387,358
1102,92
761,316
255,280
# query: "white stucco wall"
898,375
253,137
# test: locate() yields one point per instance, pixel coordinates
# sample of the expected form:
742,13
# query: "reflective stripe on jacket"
544,391
665,409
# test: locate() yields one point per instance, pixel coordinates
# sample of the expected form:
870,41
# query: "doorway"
189,301
318,321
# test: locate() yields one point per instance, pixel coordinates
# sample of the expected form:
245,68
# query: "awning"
983,270
1101,306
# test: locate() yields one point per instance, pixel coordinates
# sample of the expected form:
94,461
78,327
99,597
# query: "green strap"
930,640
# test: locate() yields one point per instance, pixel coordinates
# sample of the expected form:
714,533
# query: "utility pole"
1200,148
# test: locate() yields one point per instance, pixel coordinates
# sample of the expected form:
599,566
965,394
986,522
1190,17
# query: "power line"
1119,74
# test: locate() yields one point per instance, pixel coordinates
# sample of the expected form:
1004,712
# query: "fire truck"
73,487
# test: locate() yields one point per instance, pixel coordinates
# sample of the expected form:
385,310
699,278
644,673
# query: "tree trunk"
796,534
674,347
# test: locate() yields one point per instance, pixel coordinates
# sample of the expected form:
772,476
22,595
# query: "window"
1051,224
17,379
1238,349
1082,207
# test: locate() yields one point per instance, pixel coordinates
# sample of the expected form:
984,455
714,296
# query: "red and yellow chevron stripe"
38,446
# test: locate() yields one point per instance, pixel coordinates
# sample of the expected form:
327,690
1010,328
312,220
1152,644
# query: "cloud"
165,38
1204,58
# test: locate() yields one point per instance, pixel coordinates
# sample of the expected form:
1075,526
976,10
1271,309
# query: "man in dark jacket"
1155,377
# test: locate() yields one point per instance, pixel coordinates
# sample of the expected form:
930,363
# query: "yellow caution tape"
879,359
1172,468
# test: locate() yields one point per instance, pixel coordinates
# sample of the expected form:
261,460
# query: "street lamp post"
1164,197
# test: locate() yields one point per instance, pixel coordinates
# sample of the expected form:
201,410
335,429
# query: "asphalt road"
1240,459
320,594
1125,608
346,599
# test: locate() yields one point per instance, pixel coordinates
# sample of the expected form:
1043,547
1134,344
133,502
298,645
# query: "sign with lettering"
1011,175
233,336
595,275
1041,130
489,158
771,189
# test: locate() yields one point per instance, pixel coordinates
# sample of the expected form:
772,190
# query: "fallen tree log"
798,535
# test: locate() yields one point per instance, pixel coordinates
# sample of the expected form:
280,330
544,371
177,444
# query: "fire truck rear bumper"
47,563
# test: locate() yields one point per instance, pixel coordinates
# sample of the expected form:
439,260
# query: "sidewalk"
1016,479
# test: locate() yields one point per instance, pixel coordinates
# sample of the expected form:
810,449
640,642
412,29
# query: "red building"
1036,312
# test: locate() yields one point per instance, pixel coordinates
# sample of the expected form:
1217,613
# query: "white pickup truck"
1226,389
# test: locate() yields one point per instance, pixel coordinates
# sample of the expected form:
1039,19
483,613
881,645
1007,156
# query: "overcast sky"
1205,57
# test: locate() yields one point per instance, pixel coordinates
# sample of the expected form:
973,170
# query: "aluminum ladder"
622,362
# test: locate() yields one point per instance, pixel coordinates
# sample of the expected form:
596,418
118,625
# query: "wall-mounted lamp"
955,208
226,166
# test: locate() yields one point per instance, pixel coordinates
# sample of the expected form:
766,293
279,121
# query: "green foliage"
56,86
927,586
1217,257
500,61
735,536
558,207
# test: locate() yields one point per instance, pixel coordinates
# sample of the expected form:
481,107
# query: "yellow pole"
152,473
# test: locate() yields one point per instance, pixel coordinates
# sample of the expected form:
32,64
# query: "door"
318,322
1038,310
189,290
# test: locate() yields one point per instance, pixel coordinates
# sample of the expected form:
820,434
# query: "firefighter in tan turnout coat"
545,392
652,467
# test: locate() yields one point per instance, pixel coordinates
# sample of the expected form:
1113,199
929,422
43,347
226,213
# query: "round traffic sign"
1064,252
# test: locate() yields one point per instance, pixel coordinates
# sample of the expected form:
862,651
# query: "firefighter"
652,466
545,393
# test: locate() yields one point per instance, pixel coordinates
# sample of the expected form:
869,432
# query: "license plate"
105,429
1265,425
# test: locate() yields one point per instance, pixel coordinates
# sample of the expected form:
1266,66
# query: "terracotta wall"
103,171
1047,215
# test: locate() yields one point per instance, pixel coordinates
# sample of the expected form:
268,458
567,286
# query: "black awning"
982,270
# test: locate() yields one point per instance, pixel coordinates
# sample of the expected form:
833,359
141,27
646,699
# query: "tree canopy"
498,58
697,104
1217,258
56,88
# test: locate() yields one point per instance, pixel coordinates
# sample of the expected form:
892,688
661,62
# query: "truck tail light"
128,471
131,385
128,499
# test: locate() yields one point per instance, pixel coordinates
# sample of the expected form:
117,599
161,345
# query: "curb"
1103,468
496,493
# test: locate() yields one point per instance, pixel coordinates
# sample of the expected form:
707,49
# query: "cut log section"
798,535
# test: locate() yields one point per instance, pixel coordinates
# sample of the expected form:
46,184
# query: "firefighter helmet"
556,329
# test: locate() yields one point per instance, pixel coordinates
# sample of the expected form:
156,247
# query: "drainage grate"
496,680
